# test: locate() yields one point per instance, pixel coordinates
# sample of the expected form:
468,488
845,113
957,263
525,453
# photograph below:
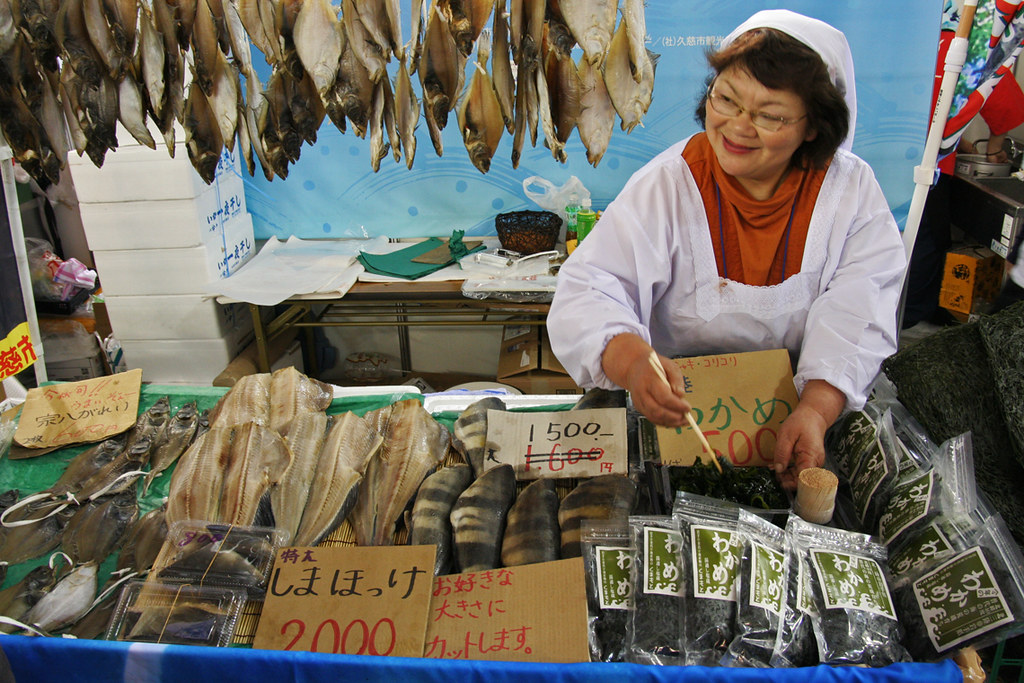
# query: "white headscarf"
828,42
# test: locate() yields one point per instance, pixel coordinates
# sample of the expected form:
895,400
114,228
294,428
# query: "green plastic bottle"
585,220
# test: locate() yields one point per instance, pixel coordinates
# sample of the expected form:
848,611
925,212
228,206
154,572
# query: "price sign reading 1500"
575,443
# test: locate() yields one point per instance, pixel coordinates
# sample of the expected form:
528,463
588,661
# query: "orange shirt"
755,242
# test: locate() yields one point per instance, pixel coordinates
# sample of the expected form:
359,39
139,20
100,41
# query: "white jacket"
649,268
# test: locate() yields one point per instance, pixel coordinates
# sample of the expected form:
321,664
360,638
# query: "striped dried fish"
194,491
288,498
478,519
259,458
607,497
592,22
480,116
597,115
469,433
66,602
247,401
98,527
532,533
172,441
630,97
292,393
18,599
414,443
431,512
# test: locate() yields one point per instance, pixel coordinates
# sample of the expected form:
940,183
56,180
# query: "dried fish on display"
143,541
67,601
194,491
469,433
608,497
480,117
27,541
172,441
478,519
532,533
441,75
259,458
18,599
247,401
630,96
431,513
98,527
292,394
414,443
151,421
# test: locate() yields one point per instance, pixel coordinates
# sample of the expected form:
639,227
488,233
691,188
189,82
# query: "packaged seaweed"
942,537
848,439
760,592
655,624
856,623
795,645
874,474
923,495
975,598
712,549
607,560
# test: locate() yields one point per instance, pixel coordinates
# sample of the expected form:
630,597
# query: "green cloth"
456,247
400,263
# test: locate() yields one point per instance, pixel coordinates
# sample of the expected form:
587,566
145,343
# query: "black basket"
528,232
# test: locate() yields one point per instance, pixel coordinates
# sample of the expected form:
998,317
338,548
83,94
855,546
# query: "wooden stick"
656,364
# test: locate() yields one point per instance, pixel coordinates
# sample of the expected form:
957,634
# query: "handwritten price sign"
350,600
569,443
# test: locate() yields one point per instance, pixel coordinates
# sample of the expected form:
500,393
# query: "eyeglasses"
726,106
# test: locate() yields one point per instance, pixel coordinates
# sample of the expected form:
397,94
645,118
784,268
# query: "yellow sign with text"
16,351
739,401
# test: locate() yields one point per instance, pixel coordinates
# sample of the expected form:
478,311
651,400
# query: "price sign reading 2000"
356,638
573,443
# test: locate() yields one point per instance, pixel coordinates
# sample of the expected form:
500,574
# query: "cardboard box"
971,279
526,362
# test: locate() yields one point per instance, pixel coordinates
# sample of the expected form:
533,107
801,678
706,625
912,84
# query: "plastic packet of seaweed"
874,474
655,622
848,438
922,495
795,645
760,592
607,561
942,537
215,554
849,579
712,550
975,598
915,449
183,614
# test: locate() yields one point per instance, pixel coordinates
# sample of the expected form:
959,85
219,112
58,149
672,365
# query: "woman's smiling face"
756,157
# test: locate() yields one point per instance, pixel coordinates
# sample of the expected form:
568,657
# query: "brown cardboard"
971,279
530,613
526,362
348,600
740,400
79,412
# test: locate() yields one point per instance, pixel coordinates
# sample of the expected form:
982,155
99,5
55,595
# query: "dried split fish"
592,22
151,421
414,443
469,433
98,527
259,458
431,513
292,393
288,498
407,113
608,497
630,97
440,72
480,116
17,600
28,541
597,114
172,441
66,602
532,533
144,540
194,491
247,401
478,519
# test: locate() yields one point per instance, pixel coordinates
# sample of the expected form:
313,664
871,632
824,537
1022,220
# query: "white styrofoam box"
182,316
179,361
74,369
140,272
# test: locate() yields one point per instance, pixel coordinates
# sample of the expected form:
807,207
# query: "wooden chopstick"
656,364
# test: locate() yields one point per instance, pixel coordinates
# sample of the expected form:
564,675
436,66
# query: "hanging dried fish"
373,20
353,90
369,53
258,17
554,143
37,21
501,67
478,519
532,533
597,115
131,111
223,99
466,18
480,118
636,31
8,26
286,12
431,512
102,38
184,13
205,47
558,37
564,94
592,22
153,58
407,113
440,75
378,147
318,41
630,97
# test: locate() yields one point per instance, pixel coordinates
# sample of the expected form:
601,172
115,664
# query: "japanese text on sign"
739,402
352,600
78,412
16,351
505,614
573,443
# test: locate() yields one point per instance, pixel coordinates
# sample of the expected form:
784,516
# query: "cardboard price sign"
531,613
568,443
739,401
349,600
79,412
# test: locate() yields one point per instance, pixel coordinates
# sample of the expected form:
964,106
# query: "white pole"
18,241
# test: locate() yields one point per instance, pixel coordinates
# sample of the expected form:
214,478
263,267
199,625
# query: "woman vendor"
763,231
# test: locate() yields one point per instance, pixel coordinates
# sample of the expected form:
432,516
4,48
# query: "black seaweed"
795,645
607,635
754,487
656,621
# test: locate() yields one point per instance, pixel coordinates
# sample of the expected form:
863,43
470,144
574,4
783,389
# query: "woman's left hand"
801,440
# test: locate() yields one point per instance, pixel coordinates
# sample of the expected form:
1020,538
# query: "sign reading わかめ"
739,401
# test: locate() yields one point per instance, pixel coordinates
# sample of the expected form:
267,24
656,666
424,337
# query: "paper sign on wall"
348,600
530,613
79,412
739,401
568,443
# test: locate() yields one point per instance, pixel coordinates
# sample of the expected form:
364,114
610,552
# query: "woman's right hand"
631,363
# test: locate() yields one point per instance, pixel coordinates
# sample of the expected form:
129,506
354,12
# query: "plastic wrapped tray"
151,612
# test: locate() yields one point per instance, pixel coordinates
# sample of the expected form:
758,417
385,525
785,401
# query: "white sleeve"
851,325
613,280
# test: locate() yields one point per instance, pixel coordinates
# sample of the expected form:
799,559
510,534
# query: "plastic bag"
553,197
607,560
655,627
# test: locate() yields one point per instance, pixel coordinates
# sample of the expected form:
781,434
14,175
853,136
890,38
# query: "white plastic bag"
552,197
